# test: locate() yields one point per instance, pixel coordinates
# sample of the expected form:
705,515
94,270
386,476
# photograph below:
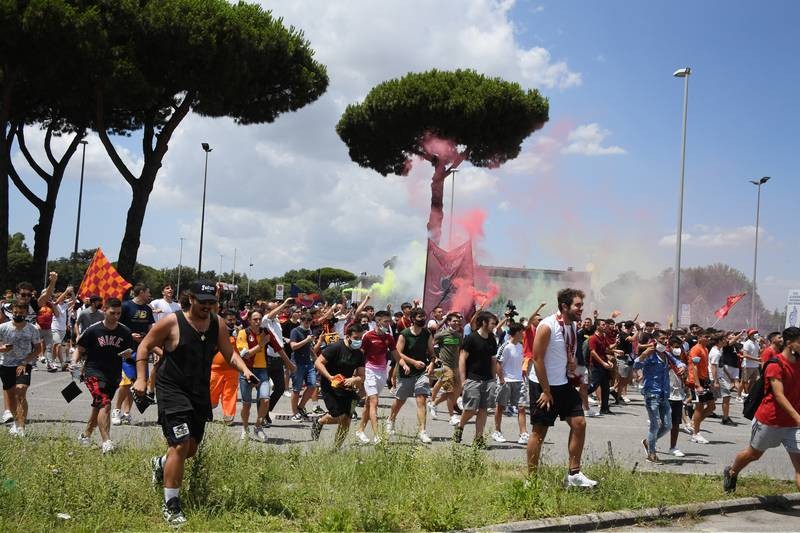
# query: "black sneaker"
606,412
172,512
728,480
728,422
316,429
302,412
480,443
267,421
457,434
158,471
713,415
616,396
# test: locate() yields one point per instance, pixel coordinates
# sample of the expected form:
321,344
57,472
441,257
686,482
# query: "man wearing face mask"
377,344
702,395
20,345
750,361
414,366
449,338
341,369
655,362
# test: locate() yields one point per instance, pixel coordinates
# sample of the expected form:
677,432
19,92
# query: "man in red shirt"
702,395
775,347
530,333
377,345
777,420
600,366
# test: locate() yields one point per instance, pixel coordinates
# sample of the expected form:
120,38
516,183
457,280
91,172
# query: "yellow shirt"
247,341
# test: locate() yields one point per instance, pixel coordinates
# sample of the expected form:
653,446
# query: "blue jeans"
305,374
660,415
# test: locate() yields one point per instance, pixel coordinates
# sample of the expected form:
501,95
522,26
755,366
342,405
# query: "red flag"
449,278
102,279
732,300
307,299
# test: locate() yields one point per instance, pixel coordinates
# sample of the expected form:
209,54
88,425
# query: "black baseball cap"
204,291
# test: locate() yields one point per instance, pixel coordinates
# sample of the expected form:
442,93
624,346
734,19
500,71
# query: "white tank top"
555,357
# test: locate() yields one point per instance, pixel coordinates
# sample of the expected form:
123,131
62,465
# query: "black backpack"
757,393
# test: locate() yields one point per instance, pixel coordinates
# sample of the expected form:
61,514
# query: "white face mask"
660,348
676,352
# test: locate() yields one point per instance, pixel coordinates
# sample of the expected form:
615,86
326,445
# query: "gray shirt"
86,318
22,340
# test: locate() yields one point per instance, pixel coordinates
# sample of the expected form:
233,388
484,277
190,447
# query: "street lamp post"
207,150
80,200
753,317
180,263
681,73
233,274
249,275
219,276
452,198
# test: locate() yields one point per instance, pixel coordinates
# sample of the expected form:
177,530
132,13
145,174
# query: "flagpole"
425,279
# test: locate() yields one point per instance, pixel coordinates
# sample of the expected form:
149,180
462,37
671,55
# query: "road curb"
592,521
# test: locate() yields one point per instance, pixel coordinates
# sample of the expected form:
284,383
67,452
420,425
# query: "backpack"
757,393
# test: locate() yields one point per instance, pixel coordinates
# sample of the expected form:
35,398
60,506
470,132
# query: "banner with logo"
449,279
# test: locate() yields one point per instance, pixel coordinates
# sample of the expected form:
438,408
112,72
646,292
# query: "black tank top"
183,376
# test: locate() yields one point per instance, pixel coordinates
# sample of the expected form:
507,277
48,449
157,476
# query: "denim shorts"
263,389
305,374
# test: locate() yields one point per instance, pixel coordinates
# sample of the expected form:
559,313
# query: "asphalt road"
50,414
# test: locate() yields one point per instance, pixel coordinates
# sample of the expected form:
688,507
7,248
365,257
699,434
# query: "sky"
596,188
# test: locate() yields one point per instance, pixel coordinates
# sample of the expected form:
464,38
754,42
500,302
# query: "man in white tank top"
553,395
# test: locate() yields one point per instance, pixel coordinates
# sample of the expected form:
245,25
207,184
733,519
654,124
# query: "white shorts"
374,380
59,337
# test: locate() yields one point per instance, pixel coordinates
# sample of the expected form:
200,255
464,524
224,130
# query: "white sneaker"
625,400
432,410
423,437
579,480
523,438
699,439
244,435
376,440
108,447
390,428
593,412
287,394
498,437
260,434
7,416
12,430
116,417
676,452
592,401
20,432
454,420
83,440
687,429
362,437
739,399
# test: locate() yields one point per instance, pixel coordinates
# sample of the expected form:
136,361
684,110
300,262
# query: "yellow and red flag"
102,279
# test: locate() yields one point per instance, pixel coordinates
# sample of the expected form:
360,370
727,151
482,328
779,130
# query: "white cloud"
714,237
588,139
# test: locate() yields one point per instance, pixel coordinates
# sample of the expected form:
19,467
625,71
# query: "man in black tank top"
189,341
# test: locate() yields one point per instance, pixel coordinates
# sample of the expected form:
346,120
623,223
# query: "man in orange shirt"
702,395
225,378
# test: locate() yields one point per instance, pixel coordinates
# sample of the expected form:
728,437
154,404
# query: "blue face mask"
355,344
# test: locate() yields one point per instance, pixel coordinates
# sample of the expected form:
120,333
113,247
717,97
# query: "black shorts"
566,404
677,410
706,396
337,405
9,376
181,426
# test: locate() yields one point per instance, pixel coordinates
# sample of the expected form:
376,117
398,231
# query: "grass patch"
234,486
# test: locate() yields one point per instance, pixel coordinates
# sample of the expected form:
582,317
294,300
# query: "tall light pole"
80,200
753,317
681,73
233,274
180,262
219,276
207,150
249,275
452,198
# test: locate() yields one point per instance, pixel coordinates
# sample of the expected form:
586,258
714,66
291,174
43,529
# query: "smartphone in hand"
253,380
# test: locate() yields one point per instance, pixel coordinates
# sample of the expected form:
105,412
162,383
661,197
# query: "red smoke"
481,291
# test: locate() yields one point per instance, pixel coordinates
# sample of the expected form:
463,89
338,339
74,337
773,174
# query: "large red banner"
449,279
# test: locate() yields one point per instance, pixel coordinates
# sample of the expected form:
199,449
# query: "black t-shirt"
340,359
416,348
729,357
102,347
481,352
286,331
138,317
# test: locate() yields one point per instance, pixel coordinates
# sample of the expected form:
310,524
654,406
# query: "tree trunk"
129,249
41,245
437,204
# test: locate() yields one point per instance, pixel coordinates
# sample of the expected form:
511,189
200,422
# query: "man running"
376,345
103,345
552,394
448,338
166,304
189,341
777,420
702,395
138,316
341,370
20,345
414,367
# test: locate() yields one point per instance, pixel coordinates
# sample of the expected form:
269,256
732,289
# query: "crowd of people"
333,361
